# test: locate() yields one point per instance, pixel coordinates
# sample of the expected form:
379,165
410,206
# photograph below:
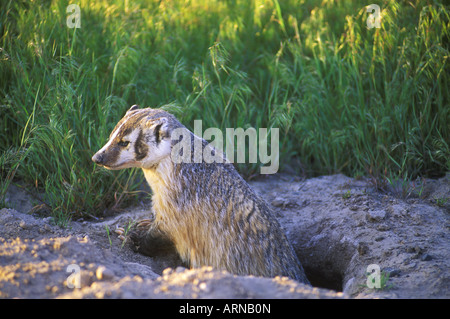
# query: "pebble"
103,273
85,278
363,248
392,271
376,215
414,249
412,265
383,227
167,271
180,269
277,202
426,257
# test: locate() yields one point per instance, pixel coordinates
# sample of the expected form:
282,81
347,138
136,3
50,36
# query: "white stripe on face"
117,131
108,144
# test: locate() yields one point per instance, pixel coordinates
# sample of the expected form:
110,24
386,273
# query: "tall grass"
346,98
378,96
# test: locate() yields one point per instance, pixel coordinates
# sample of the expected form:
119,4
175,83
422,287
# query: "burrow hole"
325,261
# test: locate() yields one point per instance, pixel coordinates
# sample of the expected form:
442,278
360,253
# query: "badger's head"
140,139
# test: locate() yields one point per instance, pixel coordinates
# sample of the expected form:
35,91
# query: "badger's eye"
123,143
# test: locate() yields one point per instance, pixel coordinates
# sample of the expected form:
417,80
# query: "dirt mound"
41,261
338,226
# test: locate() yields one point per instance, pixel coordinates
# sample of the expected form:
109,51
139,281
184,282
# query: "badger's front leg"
146,238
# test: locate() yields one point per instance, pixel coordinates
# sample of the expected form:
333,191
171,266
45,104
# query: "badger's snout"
98,158
112,158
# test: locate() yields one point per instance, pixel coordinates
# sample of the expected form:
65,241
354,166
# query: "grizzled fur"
206,211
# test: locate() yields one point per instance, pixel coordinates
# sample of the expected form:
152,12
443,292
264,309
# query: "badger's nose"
98,158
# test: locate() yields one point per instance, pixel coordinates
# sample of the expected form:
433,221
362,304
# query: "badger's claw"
144,224
141,226
119,230
143,237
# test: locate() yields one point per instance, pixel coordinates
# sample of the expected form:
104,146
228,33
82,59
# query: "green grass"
346,98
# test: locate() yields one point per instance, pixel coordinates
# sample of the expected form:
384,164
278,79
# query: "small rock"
167,271
363,248
180,269
47,220
414,249
277,202
412,264
376,215
22,224
82,279
349,285
103,273
83,240
426,257
383,227
392,271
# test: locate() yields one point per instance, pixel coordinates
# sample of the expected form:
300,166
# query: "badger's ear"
134,107
160,126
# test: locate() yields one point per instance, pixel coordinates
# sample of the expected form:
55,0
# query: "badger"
206,211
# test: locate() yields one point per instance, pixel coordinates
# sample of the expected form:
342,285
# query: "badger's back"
214,218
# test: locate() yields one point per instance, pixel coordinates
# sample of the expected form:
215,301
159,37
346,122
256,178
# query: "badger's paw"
146,238
134,233
120,231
